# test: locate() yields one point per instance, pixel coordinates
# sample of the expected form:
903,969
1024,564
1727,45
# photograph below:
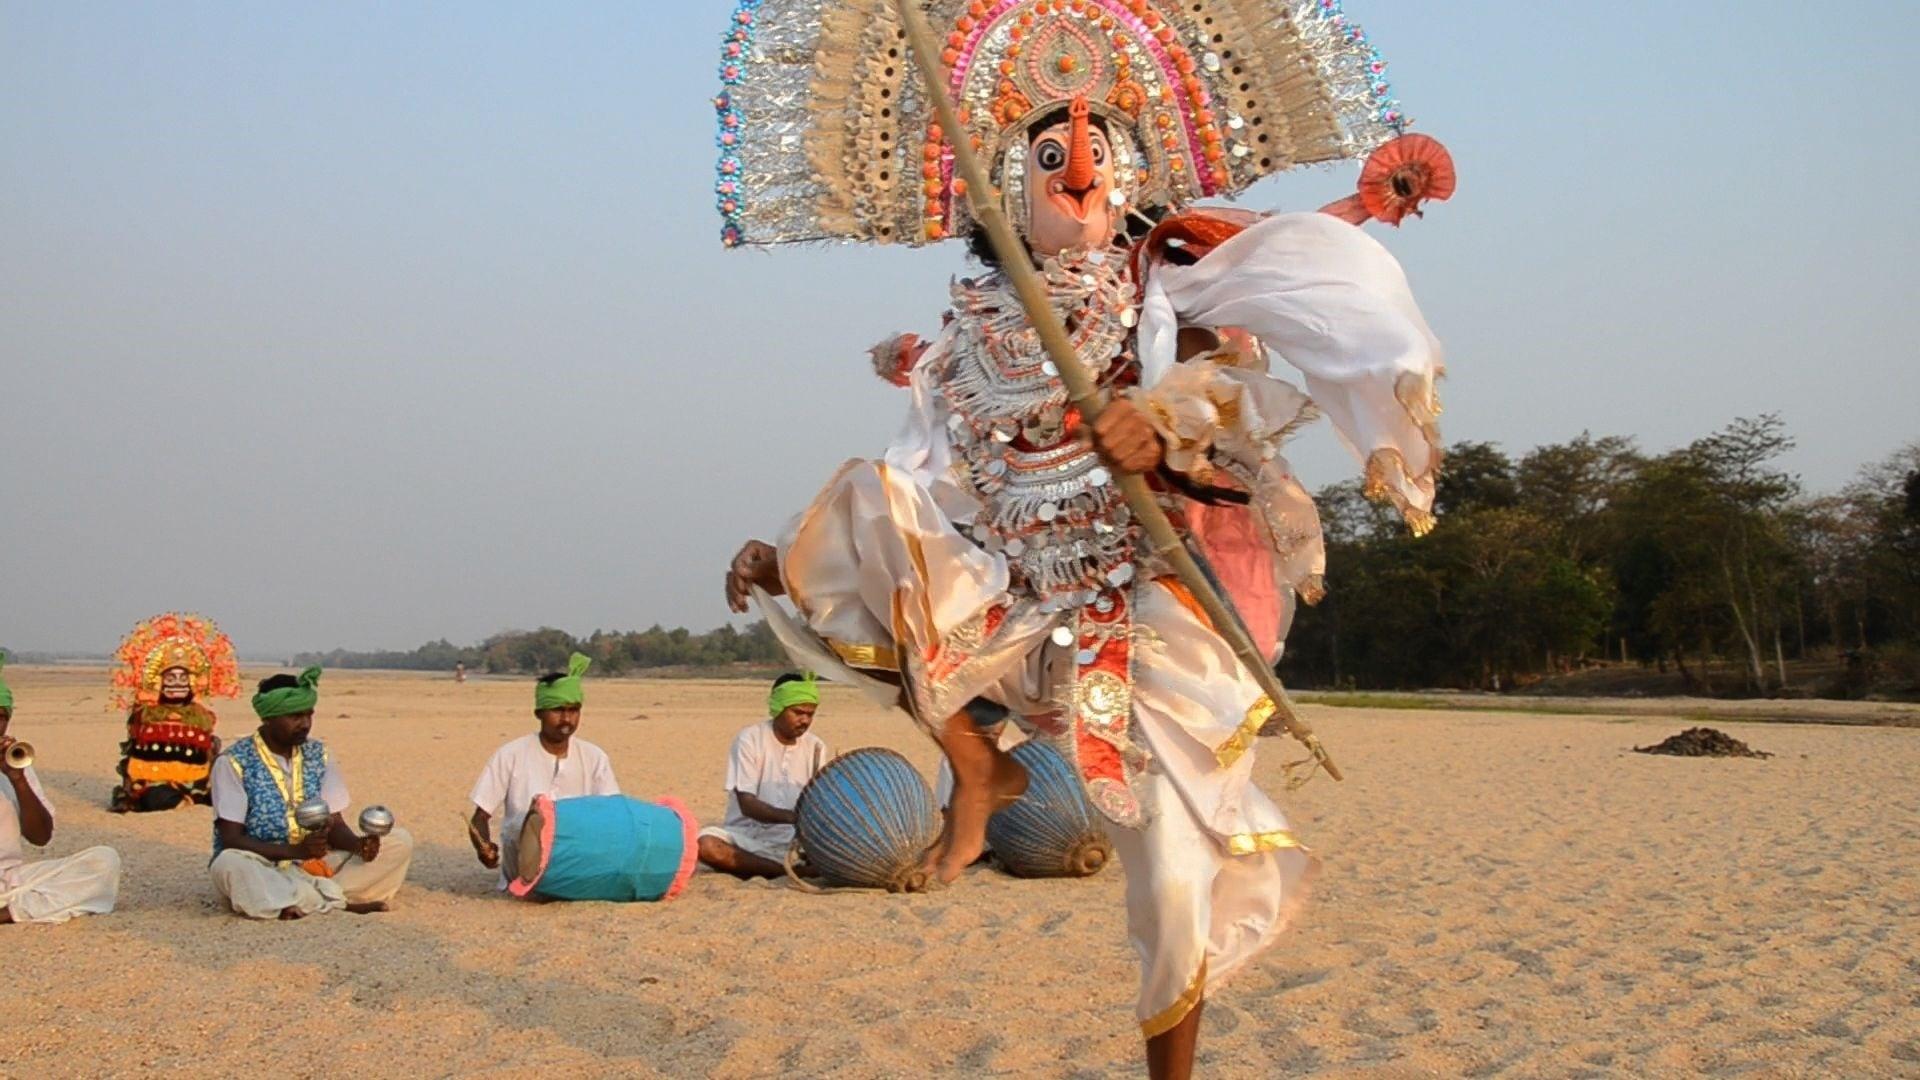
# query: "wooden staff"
1018,267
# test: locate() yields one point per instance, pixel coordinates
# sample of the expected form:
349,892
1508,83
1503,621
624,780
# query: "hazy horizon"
364,327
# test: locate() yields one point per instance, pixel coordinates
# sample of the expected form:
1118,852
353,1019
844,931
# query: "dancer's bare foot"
368,908
985,780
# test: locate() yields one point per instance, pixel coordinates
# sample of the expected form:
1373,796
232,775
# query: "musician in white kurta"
769,765
550,761
48,890
528,768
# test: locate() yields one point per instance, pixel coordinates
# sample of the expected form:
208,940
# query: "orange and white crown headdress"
173,640
825,132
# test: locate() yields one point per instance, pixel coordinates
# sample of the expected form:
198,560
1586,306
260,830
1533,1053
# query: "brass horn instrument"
19,755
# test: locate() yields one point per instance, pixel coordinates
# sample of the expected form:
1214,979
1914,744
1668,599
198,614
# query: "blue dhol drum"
1052,830
605,847
866,821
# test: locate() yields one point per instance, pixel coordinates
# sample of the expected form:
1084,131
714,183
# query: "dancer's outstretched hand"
756,564
1125,438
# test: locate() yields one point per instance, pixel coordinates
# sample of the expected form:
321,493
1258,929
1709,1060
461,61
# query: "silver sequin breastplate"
1051,505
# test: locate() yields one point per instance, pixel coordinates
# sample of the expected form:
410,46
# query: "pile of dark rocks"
1702,742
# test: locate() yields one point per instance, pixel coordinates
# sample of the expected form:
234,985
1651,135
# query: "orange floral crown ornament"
173,640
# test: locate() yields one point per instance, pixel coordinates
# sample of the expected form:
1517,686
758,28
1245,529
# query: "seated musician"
770,765
51,890
265,865
550,761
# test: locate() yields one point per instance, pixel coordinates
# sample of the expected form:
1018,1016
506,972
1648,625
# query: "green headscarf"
6,693
290,699
565,691
802,691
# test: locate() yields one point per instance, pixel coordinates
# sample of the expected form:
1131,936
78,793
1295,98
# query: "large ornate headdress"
825,132
173,640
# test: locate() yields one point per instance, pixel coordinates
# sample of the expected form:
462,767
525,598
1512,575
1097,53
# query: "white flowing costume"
51,890
886,568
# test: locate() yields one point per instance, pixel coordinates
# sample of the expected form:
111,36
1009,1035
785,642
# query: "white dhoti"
1216,875
749,844
259,888
55,890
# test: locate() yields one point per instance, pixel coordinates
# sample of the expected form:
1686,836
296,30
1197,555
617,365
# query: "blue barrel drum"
605,847
866,821
1052,831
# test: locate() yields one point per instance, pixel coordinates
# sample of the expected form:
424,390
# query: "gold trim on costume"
1255,843
1241,741
866,656
292,788
1385,469
1169,1018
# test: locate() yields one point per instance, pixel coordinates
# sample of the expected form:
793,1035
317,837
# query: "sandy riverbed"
1503,894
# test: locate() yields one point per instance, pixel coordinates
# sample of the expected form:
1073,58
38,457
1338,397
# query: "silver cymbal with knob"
312,815
376,821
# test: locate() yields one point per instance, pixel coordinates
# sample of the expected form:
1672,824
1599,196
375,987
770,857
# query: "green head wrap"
803,691
563,692
289,700
6,693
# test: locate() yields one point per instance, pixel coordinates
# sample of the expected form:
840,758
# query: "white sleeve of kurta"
490,790
33,785
743,762
12,851
1331,301
601,780
333,788
228,793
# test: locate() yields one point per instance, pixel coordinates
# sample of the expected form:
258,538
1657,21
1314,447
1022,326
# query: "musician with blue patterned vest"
265,866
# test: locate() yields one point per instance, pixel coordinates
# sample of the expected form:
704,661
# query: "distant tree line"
528,652
1703,560
1708,562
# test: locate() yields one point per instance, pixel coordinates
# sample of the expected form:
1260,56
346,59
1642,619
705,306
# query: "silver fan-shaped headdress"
826,134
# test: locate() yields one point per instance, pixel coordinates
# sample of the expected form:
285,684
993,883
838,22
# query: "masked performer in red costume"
987,563
169,666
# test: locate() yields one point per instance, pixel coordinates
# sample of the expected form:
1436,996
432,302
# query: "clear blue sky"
357,324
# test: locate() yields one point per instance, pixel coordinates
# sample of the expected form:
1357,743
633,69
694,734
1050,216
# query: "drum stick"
474,831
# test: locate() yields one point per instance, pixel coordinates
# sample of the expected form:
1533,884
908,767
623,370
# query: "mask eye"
1099,152
1050,155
